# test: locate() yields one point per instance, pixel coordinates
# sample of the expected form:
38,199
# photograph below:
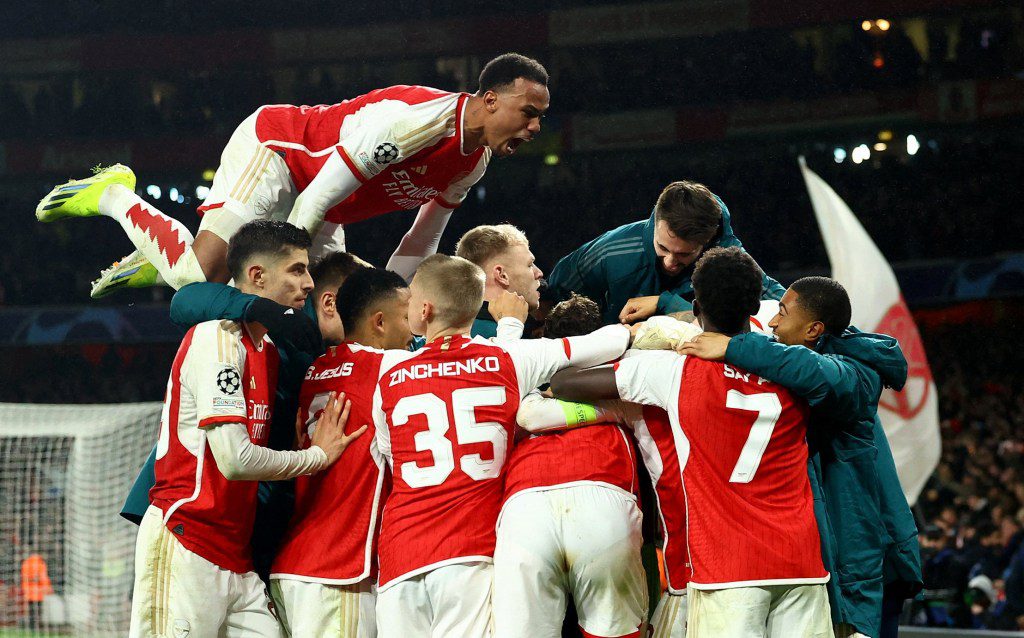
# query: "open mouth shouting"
510,146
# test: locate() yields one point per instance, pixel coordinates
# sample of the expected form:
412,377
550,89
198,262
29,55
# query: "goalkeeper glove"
664,333
286,324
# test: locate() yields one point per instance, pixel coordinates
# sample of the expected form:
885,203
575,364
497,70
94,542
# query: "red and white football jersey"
597,454
332,536
403,142
219,376
741,455
445,416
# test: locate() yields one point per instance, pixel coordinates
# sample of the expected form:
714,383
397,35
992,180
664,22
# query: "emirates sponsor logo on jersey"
405,193
259,414
445,369
343,370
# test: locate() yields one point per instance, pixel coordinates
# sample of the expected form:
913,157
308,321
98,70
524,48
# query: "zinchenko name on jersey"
445,369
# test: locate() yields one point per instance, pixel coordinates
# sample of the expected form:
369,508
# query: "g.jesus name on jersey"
733,457
445,416
331,538
404,143
220,375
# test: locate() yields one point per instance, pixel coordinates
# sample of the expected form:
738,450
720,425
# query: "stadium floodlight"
883,24
839,154
172,194
881,146
64,473
913,146
866,25
202,191
860,154
153,191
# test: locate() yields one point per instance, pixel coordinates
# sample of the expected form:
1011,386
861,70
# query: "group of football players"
464,462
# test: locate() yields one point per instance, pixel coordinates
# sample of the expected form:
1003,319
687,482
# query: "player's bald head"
452,285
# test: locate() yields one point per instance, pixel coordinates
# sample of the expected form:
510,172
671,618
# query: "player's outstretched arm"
816,377
239,459
537,359
538,413
593,384
331,186
645,377
203,301
422,239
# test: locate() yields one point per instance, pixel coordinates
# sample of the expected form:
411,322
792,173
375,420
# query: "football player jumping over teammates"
444,418
736,451
322,167
193,563
324,574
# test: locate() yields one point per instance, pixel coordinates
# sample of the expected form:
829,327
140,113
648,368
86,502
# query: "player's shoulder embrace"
220,331
732,372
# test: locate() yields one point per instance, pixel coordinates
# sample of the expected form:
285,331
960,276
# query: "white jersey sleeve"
239,459
422,239
213,373
649,377
536,360
391,131
509,329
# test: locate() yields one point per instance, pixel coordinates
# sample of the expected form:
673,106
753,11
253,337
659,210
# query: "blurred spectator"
973,506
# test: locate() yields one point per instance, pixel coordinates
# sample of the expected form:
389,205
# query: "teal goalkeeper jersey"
621,264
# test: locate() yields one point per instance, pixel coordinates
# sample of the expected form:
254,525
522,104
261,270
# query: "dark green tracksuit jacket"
621,264
868,534
199,302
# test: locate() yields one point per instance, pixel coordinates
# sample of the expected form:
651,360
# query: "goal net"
66,556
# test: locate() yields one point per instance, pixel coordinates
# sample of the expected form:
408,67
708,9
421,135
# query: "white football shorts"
771,611
316,610
453,600
178,593
252,182
669,620
581,541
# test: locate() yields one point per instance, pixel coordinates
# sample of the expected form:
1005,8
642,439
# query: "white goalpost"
64,473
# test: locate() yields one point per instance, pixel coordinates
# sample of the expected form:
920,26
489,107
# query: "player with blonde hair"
445,417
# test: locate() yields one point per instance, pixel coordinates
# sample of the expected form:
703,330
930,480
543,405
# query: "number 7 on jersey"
769,409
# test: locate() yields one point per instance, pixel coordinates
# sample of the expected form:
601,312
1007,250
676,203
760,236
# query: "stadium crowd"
973,506
974,177
788,66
